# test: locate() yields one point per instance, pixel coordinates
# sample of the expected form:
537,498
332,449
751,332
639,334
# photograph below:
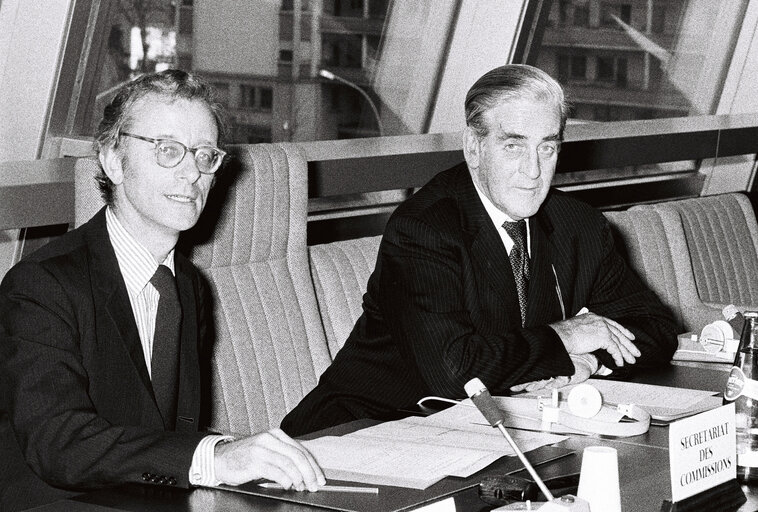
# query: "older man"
484,273
102,332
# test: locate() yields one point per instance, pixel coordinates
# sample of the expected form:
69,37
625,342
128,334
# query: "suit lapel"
109,289
543,306
488,255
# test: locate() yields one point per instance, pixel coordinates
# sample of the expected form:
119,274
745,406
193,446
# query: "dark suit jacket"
441,306
76,389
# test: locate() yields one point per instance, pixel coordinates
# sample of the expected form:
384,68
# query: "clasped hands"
582,335
271,455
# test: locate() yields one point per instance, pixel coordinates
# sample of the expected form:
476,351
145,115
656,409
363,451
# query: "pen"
558,292
328,488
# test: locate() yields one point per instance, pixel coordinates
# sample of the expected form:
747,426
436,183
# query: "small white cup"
599,479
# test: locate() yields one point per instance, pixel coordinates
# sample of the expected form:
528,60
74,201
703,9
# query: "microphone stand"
480,396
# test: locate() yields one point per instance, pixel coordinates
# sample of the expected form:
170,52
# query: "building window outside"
256,97
610,12
563,11
266,97
586,60
578,67
605,69
613,70
222,93
564,68
659,19
621,72
582,15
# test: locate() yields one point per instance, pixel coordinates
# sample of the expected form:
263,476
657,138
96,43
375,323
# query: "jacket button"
146,476
172,481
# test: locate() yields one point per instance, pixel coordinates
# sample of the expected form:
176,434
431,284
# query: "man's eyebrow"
169,136
510,135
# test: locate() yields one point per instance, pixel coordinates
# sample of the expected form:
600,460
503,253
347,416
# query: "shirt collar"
136,263
496,215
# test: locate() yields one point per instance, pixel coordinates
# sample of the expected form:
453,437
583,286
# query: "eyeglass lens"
170,153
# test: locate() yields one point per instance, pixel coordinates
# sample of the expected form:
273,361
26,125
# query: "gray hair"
172,83
512,81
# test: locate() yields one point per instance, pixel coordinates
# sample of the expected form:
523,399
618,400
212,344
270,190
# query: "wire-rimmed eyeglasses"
169,153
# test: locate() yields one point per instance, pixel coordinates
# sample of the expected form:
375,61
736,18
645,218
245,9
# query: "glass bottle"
742,389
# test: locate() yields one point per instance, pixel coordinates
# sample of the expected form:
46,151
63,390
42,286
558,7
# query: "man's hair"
512,81
172,84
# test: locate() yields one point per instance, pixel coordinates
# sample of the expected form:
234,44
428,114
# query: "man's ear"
471,147
111,160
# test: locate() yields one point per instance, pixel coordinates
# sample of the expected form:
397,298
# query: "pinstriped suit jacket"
441,306
75,386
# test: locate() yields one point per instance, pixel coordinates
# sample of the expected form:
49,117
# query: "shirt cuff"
202,472
588,359
603,371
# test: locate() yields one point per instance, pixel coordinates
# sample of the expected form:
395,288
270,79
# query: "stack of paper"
662,402
417,452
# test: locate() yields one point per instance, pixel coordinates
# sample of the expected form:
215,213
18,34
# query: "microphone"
480,395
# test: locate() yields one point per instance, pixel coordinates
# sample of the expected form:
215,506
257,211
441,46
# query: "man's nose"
188,168
530,165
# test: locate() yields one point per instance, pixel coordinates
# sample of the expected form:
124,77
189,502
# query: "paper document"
417,452
520,413
662,402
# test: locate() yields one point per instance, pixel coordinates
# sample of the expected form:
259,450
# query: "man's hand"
272,455
586,333
585,365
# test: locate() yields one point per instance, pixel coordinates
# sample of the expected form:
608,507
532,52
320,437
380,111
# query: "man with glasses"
102,331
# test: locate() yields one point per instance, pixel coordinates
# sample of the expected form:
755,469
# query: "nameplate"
702,452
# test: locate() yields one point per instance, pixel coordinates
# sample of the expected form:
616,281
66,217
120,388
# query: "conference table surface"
643,468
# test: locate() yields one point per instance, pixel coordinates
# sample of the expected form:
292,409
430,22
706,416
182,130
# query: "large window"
345,68
662,58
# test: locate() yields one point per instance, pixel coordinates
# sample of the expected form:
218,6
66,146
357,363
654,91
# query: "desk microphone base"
725,497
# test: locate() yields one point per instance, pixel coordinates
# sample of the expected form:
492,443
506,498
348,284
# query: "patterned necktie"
519,257
165,358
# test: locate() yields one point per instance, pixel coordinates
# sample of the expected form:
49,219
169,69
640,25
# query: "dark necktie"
519,257
165,359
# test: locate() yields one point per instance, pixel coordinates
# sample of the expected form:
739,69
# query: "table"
643,468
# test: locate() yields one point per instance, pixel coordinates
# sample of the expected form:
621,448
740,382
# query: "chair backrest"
642,240
721,237
87,198
654,245
270,347
340,272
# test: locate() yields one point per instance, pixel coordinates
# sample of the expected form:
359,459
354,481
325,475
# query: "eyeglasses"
169,153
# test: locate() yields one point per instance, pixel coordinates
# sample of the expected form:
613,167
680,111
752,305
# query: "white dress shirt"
498,217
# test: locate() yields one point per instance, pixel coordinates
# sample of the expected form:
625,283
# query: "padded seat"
251,246
653,244
340,272
87,198
721,237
